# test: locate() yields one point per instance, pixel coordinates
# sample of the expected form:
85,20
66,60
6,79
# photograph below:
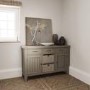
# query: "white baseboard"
81,75
10,73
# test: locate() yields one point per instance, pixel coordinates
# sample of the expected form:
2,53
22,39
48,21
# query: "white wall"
10,54
49,9
70,18
76,28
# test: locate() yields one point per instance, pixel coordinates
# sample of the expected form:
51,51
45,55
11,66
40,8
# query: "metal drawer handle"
47,54
34,51
48,63
48,50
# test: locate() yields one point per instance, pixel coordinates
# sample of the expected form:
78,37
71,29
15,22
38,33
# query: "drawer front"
34,51
48,59
48,68
48,51
62,51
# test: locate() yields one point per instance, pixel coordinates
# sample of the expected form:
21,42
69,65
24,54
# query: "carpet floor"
54,82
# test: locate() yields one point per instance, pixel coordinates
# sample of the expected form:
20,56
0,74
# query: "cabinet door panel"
34,65
60,61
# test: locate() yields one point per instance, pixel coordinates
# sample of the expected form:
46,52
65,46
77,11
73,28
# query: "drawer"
62,51
48,68
34,51
48,51
48,59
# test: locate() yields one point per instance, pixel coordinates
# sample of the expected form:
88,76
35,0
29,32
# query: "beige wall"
76,28
10,54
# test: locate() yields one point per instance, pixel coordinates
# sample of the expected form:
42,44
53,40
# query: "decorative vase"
62,41
55,39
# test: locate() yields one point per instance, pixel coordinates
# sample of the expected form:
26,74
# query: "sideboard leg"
25,78
67,71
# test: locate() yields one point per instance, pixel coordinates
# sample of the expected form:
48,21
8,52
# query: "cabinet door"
63,62
60,61
34,64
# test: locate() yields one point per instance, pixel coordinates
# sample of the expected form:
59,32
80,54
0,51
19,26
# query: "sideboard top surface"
34,47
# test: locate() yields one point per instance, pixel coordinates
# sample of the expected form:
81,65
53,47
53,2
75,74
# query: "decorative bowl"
47,44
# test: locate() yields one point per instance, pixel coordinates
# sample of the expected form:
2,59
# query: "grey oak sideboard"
39,60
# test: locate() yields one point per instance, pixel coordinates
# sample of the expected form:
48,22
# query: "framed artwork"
38,31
